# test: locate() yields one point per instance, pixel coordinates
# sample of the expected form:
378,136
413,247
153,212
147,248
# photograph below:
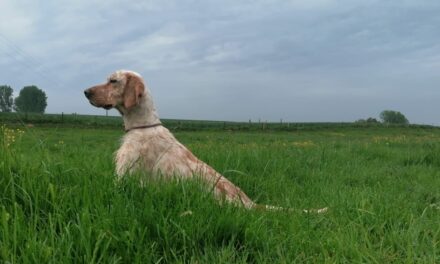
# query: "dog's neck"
143,114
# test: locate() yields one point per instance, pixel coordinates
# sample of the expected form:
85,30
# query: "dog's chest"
142,151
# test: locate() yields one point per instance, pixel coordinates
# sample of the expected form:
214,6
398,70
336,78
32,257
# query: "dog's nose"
88,93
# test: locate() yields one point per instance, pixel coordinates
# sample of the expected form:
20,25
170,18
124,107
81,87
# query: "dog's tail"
226,190
271,208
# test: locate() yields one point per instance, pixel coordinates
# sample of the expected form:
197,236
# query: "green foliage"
59,202
369,120
96,121
31,100
372,120
393,117
6,100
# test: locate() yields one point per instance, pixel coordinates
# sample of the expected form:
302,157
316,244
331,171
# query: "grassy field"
59,202
95,121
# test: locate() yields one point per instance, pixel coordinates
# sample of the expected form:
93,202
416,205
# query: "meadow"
59,202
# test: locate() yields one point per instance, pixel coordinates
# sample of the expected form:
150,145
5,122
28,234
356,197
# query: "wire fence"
115,122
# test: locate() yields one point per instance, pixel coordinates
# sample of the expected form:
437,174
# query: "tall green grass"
59,202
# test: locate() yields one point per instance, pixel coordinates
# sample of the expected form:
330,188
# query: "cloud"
162,48
17,21
290,59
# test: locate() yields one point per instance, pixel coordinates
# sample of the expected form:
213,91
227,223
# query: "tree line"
31,99
387,117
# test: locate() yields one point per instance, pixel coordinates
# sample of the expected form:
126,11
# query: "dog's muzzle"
88,93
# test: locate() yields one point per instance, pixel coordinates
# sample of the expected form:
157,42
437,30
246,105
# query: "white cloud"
223,52
17,19
160,49
230,52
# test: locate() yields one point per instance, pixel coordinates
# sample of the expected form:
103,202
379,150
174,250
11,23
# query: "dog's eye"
113,81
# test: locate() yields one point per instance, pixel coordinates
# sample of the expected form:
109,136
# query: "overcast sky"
296,60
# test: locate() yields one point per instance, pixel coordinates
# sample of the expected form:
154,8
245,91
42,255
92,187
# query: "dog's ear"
134,89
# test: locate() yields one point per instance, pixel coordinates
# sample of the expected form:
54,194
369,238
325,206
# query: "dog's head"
123,91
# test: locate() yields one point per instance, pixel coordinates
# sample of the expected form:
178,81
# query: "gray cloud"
233,60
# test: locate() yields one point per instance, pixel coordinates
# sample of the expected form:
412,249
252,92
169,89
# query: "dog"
150,147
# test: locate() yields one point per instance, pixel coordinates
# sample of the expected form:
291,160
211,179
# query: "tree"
393,117
31,99
372,120
369,120
6,100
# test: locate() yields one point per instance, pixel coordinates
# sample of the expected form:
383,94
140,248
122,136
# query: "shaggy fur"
149,146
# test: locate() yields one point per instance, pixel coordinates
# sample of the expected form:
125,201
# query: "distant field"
59,202
91,121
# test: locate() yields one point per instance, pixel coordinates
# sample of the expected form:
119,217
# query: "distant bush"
393,117
6,100
369,120
31,100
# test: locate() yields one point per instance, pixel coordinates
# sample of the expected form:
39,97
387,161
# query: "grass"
59,202
95,121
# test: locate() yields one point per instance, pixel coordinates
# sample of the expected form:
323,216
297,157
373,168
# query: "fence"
95,121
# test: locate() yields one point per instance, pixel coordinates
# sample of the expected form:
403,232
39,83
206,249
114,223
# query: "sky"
234,60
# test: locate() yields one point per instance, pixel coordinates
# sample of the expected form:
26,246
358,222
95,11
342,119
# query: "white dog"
149,146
